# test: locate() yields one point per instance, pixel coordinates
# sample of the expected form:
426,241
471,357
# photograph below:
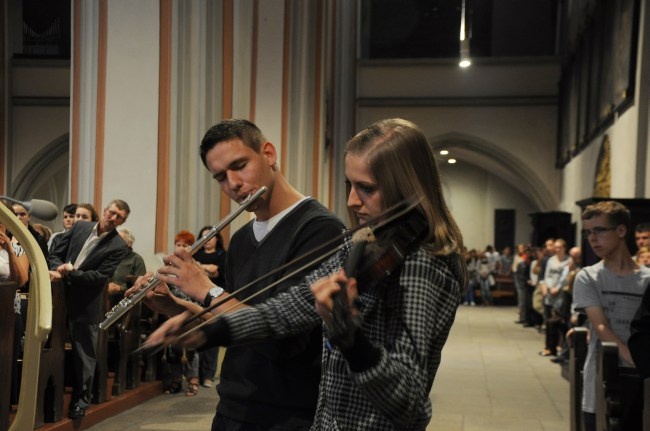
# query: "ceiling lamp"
465,60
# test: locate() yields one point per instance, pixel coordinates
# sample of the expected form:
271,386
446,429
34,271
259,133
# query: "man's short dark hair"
616,213
70,208
226,130
642,227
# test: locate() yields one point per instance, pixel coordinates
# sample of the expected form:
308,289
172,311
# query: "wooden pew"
124,339
646,404
49,406
577,356
103,381
504,287
7,294
619,393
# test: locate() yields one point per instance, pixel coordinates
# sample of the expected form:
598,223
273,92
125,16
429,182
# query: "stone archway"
501,163
45,176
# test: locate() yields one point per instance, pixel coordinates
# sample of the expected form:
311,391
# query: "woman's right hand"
169,331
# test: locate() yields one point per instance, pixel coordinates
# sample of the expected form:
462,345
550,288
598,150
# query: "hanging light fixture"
465,60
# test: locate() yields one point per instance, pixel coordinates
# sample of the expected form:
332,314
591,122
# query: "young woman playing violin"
378,368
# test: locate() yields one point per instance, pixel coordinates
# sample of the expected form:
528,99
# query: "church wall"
131,113
472,194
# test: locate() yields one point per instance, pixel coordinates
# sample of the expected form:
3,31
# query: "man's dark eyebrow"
231,166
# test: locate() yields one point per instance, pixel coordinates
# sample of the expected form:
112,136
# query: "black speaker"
553,224
504,228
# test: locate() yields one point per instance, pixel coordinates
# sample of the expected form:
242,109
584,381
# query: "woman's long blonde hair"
402,162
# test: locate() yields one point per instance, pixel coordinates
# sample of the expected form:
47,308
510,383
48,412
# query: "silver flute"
127,303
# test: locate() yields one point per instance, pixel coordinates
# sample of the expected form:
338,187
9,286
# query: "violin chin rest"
363,235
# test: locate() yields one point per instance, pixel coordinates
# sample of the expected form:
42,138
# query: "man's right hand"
182,271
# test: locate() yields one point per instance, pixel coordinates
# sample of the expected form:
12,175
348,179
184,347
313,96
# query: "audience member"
642,236
43,231
14,266
535,307
492,258
643,256
181,361
562,309
505,261
131,264
212,258
609,292
485,280
472,260
521,278
85,258
68,220
23,215
85,212
551,287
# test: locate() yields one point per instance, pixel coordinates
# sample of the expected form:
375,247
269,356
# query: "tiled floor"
491,378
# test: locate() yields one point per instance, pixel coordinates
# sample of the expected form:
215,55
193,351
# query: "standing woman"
377,375
14,266
212,258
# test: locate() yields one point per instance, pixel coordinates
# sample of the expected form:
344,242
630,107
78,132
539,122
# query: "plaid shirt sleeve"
285,314
422,309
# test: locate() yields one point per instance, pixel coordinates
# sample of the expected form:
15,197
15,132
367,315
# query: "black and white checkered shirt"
407,317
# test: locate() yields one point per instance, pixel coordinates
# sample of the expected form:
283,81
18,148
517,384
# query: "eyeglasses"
598,231
119,217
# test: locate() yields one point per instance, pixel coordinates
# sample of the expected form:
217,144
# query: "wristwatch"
212,293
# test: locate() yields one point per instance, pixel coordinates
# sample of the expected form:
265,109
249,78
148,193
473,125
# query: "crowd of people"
556,294
89,255
313,347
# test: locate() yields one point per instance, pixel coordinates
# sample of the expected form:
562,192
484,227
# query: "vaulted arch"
45,176
501,163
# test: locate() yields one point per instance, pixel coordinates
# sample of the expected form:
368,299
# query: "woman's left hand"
336,306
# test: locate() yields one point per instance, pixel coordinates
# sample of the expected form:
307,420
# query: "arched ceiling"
501,163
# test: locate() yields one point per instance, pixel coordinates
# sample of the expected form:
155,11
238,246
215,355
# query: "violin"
375,256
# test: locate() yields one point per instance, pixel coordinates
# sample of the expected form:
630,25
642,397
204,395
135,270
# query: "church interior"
534,110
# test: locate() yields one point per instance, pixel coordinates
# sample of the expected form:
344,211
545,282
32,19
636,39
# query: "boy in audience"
609,292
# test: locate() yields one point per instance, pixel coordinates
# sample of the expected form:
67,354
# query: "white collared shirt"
89,246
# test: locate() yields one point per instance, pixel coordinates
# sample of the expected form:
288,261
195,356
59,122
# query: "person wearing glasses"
609,292
85,258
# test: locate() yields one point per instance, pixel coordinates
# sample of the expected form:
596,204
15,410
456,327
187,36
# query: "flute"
127,303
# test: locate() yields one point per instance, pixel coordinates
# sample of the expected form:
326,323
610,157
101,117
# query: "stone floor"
490,378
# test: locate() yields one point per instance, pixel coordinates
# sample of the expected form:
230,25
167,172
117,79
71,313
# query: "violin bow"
391,214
